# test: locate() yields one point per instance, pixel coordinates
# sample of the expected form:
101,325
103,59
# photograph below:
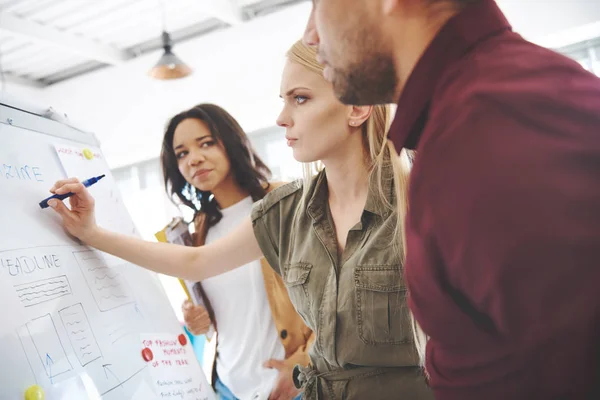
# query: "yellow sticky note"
35,392
87,153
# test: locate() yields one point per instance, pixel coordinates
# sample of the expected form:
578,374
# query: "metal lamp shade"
169,66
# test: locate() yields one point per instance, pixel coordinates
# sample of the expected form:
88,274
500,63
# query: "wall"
552,23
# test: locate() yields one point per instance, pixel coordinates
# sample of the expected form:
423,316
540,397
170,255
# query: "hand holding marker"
86,183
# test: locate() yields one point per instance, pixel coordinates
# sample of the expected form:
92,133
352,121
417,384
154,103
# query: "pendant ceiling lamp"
169,66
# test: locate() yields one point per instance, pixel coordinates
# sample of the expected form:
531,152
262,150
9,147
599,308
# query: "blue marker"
86,183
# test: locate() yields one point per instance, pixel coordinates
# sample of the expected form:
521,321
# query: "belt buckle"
295,375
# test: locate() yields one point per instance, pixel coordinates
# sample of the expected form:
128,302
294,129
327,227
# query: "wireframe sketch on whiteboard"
123,326
37,292
105,283
48,283
43,347
80,334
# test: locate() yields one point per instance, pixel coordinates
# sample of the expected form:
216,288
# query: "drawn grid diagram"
104,282
117,332
80,334
41,334
124,324
33,293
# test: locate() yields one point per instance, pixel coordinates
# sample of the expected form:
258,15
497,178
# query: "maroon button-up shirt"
503,257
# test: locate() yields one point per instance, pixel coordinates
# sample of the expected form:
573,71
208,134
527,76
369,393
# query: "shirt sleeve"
515,217
270,217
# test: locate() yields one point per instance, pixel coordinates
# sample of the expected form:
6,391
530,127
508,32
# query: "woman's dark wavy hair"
248,170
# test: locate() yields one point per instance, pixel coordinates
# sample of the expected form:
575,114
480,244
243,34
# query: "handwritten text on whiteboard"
174,369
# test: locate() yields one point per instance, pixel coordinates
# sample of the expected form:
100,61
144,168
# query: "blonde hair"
381,153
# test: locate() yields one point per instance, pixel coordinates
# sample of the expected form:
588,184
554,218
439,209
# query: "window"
586,53
270,144
144,196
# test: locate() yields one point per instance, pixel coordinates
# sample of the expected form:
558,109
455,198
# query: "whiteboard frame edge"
13,116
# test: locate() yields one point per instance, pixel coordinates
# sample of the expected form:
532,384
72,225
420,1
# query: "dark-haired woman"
209,165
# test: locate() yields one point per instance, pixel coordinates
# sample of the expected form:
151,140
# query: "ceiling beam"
18,80
227,11
178,36
63,40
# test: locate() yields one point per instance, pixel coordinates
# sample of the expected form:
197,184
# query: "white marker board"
74,320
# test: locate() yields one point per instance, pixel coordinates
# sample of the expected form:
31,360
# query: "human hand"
284,387
79,219
196,318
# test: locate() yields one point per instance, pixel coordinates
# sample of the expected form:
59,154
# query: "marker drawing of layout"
80,334
43,347
121,382
124,325
33,293
106,284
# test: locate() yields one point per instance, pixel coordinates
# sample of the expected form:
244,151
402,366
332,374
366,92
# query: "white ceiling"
47,41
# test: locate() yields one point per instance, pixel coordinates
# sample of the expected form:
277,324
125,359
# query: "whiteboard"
75,320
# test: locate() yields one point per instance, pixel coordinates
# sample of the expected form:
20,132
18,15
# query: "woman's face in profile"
316,122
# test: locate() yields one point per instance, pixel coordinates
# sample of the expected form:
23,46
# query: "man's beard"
371,82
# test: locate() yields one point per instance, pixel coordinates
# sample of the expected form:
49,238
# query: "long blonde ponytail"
401,164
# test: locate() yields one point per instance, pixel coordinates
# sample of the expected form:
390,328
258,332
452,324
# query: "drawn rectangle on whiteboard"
50,350
105,283
80,334
37,292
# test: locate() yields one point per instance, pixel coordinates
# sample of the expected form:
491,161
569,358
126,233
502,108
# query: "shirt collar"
475,23
318,195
